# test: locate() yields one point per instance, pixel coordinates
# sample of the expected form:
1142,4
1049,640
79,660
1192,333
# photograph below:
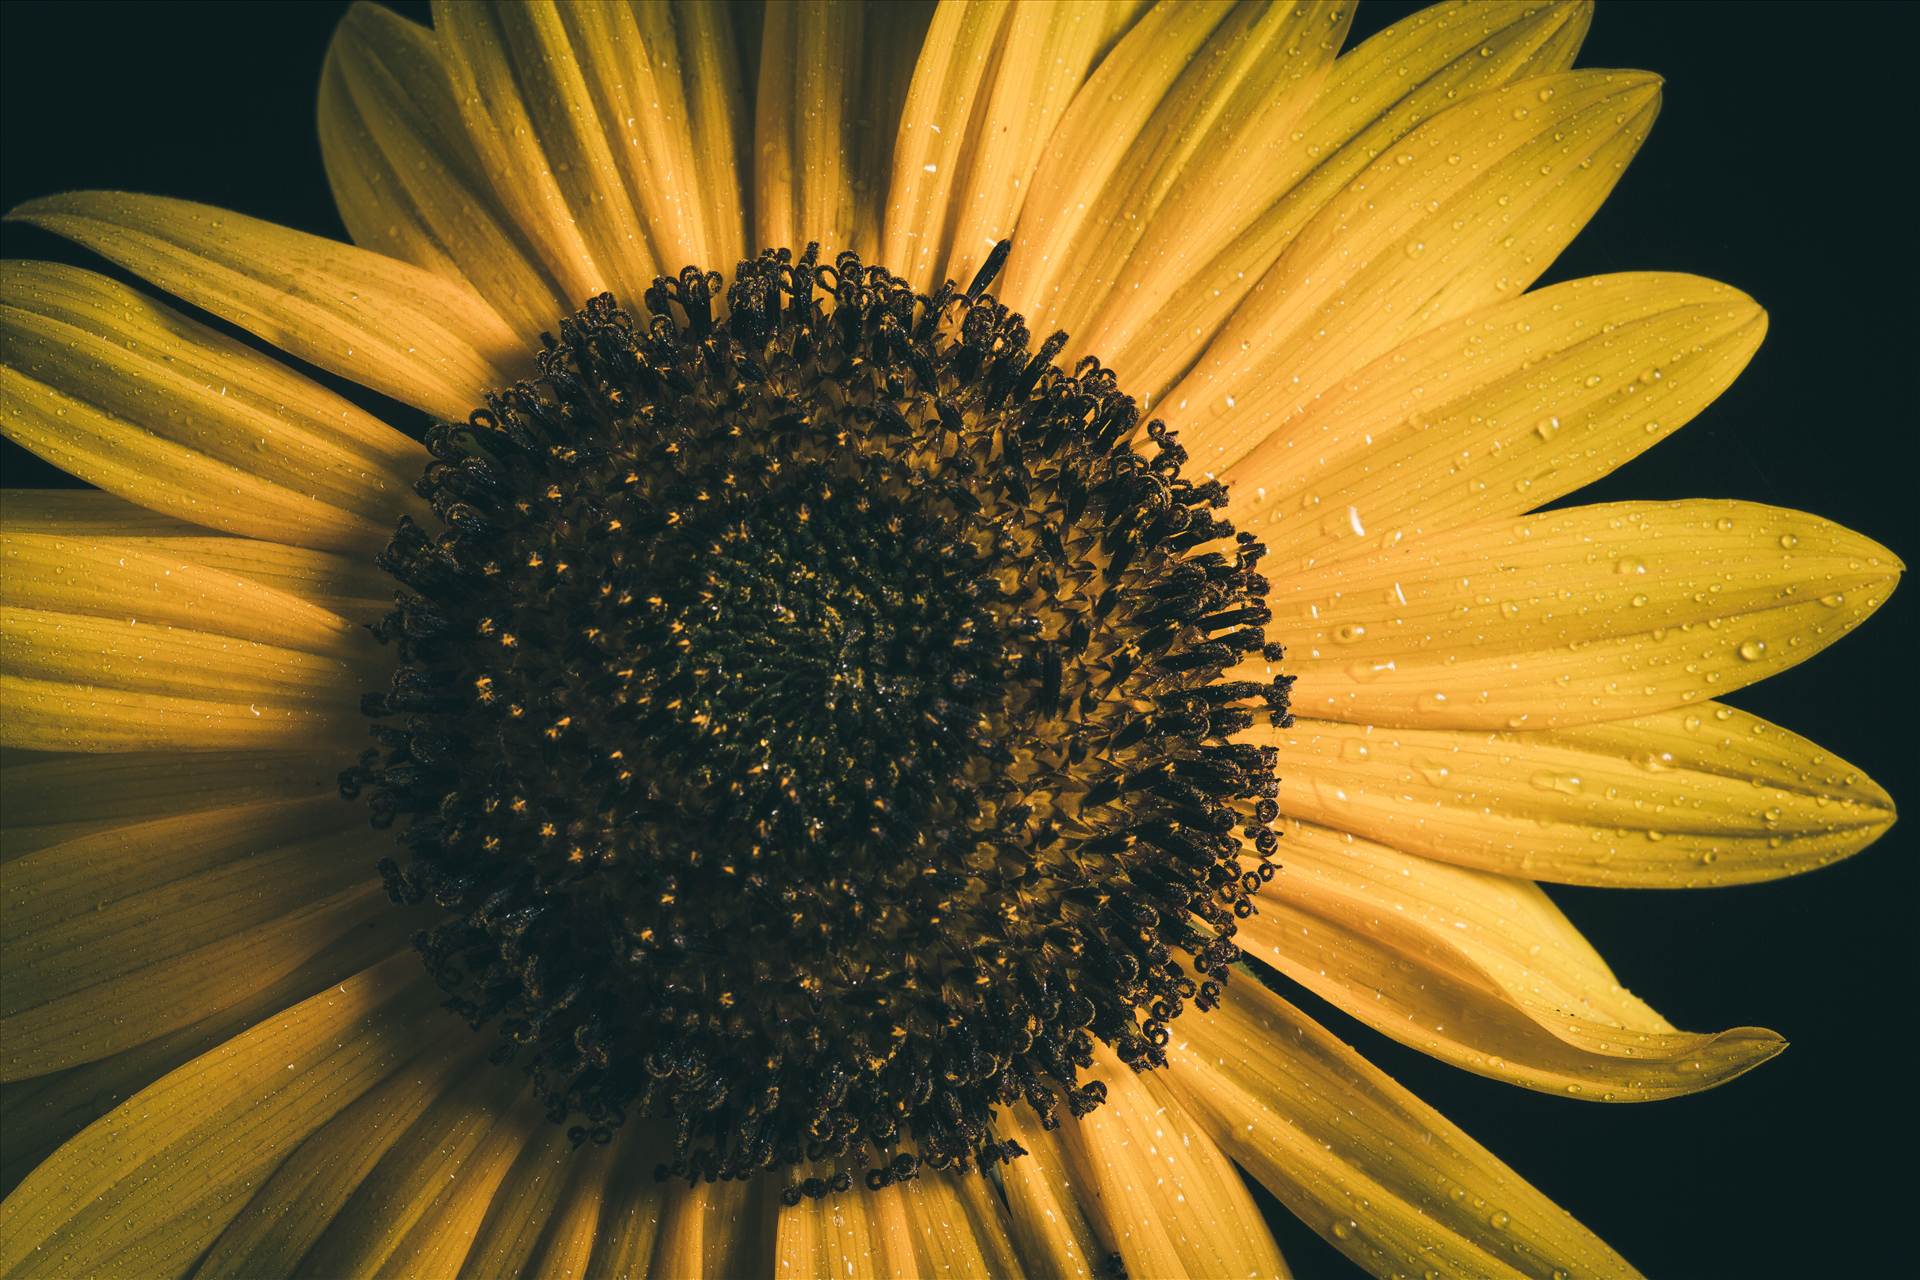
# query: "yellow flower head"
962,550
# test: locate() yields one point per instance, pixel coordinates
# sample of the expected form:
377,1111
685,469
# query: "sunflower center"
812,726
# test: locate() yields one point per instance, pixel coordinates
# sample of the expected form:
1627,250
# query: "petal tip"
39,210
1751,1046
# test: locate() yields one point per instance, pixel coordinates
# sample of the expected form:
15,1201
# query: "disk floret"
813,724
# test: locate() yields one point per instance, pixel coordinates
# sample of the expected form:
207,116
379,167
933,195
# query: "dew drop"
1752,650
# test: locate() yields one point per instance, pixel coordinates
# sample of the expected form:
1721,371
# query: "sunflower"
962,552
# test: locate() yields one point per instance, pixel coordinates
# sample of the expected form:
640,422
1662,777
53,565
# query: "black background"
1780,165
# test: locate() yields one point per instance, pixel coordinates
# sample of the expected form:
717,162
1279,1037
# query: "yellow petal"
110,649
146,1188
1478,970
1381,1176
55,715
136,398
714,1229
287,1215
407,333
86,513
1496,414
47,801
533,125
351,586
1591,613
665,85
455,1154
963,176
952,82
611,131
523,1204
1045,1213
1694,796
629,1219
150,985
828,1236
78,577
441,1241
407,181
1094,142
38,1115
1158,1188
569,1239
1239,137
1226,1178
832,79
941,1224
1375,95
112,655
89,896
804,164
1471,206
719,126
1175,135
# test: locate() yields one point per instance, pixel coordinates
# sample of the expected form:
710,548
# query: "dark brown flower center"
810,728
